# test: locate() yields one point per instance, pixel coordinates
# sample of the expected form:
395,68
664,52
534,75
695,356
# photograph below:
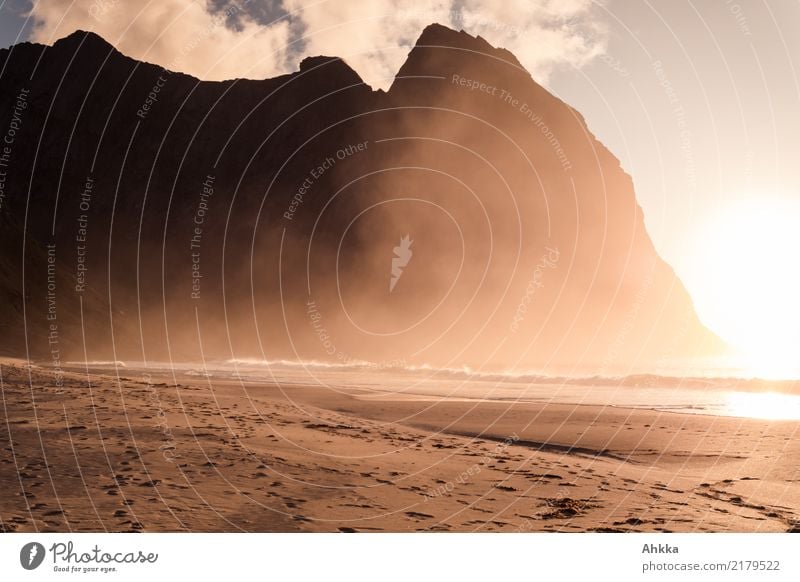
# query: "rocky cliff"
465,217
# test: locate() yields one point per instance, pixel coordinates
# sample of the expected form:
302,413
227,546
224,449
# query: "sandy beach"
157,452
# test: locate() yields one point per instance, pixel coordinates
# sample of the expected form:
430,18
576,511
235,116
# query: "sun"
746,282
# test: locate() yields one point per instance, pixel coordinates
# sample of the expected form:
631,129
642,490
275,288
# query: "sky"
701,103
700,100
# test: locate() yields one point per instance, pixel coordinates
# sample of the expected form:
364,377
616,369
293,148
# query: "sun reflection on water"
766,405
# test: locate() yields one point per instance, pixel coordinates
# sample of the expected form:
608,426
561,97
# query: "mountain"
466,216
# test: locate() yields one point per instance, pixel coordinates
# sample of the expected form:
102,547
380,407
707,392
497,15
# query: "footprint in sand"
417,515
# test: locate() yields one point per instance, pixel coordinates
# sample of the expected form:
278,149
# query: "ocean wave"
98,363
466,373
429,372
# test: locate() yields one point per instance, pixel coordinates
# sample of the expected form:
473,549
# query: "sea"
711,390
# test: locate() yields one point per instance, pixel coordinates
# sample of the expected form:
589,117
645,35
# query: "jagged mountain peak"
330,66
85,38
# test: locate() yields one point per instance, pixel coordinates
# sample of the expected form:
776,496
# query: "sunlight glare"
747,283
765,405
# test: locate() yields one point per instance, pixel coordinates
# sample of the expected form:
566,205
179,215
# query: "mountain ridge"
516,169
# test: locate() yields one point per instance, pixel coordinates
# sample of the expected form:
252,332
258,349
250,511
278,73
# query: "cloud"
224,39
182,35
373,37
542,36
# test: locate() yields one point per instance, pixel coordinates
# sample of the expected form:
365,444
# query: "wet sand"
165,453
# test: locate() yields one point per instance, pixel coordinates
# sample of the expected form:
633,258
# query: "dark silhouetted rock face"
260,218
